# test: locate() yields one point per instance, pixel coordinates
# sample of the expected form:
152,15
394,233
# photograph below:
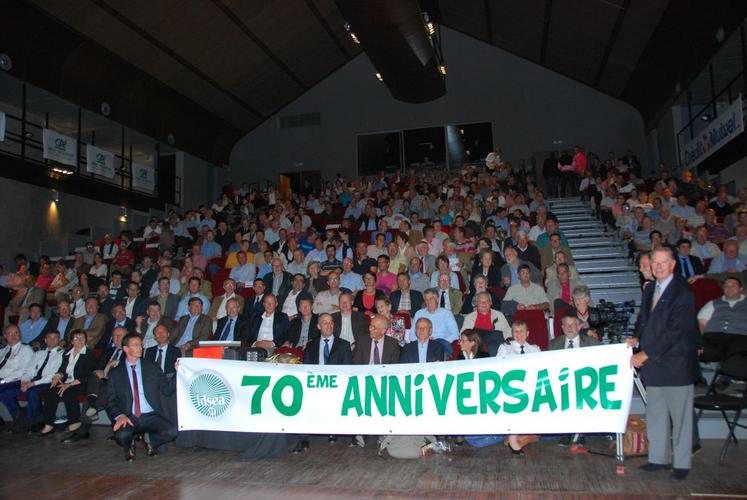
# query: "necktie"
522,350
117,353
377,357
159,357
227,329
443,299
41,368
657,294
685,267
570,344
72,312
7,357
326,351
135,392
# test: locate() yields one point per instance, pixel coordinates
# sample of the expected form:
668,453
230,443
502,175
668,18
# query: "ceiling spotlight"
706,117
379,77
28,135
122,214
55,196
62,171
442,69
352,33
431,28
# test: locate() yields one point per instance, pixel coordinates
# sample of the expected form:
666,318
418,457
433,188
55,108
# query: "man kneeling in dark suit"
424,349
324,350
135,392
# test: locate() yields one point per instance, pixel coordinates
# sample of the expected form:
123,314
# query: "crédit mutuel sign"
580,390
724,128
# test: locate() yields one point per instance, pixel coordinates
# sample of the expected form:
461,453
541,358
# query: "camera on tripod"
613,321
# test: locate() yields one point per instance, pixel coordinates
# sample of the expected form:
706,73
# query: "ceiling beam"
312,7
611,42
259,43
171,53
488,21
545,31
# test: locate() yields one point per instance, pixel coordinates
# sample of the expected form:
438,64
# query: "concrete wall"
32,224
736,172
530,107
198,180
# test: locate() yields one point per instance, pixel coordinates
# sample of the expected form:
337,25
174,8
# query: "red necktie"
135,392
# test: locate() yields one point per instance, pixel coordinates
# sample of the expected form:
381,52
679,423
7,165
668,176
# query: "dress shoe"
332,439
357,441
74,437
301,446
679,474
45,434
92,412
130,455
150,451
649,467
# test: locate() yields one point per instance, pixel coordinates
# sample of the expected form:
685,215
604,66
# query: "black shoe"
696,449
565,441
150,451
45,434
130,455
301,446
649,467
75,436
679,474
139,437
332,439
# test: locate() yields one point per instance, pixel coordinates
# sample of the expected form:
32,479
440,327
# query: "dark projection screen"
377,152
425,147
468,142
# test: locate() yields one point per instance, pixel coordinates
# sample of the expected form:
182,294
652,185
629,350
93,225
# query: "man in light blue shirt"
32,327
244,273
348,279
445,329
210,248
193,291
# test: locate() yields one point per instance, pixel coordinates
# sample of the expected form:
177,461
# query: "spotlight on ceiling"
122,214
706,117
442,69
352,33
379,77
55,196
429,25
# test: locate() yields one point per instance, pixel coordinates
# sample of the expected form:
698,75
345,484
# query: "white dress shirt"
265,329
514,348
346,328
53,364
18,364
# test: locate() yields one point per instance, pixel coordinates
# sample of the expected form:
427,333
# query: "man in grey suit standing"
668,340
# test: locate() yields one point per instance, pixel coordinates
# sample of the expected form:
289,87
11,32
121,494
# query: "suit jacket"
558,343
95,330
172,354
429,263
339,354
280,325
555,289
36,295
106,356
531,254
494,275
83,367
536,273
695,263
106,338
156,386
669,335
455,299
238,328
410,352
172,305
105,306
285,286
294,330
53,325
358,322
303,294
138,308
416,300
252,309
546,256
206,288
202,329
389,351
217,300
163,320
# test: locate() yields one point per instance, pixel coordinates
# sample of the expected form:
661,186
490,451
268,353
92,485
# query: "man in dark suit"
687,265
378,349
415,298
133,303
278,282
325,349
253,307
424,349
229,327
349,325
119,318
192,328
303,328
163,354
135,399
668,339
270,329
62,322
105,303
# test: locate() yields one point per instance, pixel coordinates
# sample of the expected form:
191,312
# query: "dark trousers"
160,430
69,397
33,395
718,346
552,186
568,179
8,394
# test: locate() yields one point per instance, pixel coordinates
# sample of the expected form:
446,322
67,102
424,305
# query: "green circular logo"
210,394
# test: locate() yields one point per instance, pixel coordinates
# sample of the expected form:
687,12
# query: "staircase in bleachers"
600,257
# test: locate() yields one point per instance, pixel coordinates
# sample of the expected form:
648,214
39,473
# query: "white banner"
99,162
724,128
59,148
143,177
578,390
2,126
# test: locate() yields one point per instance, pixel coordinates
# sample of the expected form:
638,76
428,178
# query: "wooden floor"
49,469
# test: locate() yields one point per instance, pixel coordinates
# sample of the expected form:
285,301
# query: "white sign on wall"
99,162
59,148
143,177
724,128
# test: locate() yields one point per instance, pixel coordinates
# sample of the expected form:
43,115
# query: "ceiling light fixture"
351,33
379,77
55,196
442,69
122,214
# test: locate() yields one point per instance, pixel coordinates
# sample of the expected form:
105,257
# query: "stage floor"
44,468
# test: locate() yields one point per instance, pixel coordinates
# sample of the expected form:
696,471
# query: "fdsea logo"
210,394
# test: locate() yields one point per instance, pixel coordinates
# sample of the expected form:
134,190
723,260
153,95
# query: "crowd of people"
404,268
